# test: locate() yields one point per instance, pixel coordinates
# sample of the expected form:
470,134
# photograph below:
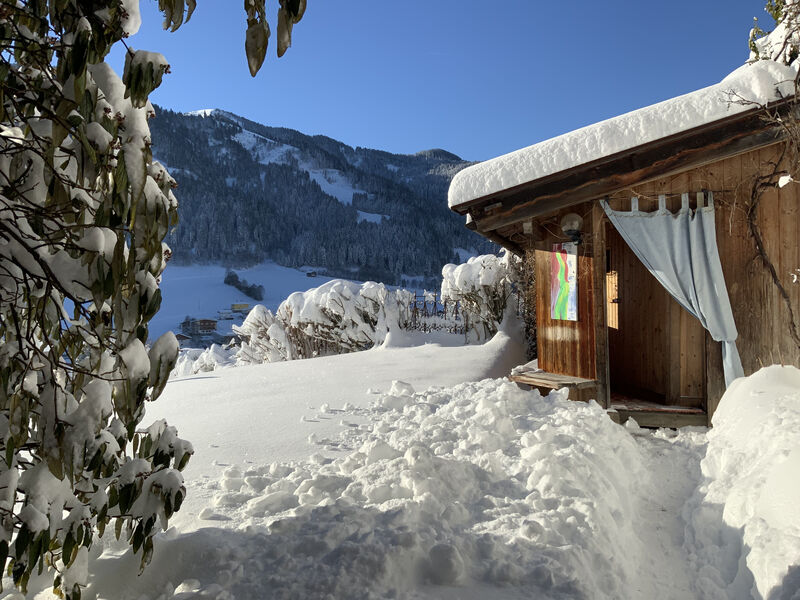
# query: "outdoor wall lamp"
571,224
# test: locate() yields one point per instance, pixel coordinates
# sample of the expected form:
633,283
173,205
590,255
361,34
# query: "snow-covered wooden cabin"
665,297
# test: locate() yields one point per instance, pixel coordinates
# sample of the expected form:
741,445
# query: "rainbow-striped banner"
564,282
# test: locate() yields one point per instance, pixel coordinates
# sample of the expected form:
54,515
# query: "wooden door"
656,349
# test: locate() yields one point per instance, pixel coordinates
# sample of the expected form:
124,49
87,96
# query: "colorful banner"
564,282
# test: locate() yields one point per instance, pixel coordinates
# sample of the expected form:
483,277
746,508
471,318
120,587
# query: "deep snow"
323,478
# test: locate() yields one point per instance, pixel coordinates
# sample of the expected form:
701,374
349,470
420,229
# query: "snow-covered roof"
760,82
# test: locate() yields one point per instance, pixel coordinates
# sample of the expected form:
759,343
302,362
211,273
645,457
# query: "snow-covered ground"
199,291
327,479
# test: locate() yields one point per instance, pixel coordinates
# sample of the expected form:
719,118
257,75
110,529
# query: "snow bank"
760,82
744,535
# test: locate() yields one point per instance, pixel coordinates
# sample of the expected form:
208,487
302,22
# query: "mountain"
249,193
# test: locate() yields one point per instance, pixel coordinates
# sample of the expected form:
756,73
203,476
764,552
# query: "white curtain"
680,250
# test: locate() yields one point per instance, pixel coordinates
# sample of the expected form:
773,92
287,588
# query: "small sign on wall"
564,282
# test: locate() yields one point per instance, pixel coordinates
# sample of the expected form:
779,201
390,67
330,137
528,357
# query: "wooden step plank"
671,420
643,406
551,380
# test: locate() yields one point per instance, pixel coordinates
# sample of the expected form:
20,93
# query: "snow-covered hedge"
483,286
743,531
202,360
344,316
337,317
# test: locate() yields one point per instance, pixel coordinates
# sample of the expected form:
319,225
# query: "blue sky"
476,78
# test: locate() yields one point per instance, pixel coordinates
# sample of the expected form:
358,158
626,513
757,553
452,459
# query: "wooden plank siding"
760,313
676,357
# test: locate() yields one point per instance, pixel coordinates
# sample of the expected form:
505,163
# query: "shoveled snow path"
673,460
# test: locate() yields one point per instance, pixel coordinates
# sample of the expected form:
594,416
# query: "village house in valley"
663,244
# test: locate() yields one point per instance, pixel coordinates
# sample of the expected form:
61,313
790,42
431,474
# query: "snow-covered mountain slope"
250,193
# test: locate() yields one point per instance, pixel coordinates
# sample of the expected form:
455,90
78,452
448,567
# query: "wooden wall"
761,315
566,347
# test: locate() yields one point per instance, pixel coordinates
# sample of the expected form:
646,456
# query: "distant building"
311,274
191,327
240,307
205,326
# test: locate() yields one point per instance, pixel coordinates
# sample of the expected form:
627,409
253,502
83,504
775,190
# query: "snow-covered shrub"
782,44
483,286
262,337
337,317
203,360
83,213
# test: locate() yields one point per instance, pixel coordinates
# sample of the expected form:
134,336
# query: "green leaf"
138,538
24,537
66,549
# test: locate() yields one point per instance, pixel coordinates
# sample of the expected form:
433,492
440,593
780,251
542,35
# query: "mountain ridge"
250,192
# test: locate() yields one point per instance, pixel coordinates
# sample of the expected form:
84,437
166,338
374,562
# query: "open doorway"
656,348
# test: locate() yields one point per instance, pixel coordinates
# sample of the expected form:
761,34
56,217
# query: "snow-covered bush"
203,360
782,44
343,316
483,286
337,317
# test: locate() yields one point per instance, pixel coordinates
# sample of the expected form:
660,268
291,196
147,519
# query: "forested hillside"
248,192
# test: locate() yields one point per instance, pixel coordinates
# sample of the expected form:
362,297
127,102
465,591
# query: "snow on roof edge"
761,82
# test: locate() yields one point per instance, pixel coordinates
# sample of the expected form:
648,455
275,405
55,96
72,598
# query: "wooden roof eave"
680,152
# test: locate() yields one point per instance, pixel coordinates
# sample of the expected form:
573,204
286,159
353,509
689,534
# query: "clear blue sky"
476,78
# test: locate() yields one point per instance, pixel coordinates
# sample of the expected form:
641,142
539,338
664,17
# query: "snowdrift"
743,530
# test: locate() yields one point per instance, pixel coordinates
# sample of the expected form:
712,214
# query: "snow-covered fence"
431,312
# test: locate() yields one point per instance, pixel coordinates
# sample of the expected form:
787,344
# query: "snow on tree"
83,214
84,211
483,285
782,44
